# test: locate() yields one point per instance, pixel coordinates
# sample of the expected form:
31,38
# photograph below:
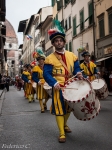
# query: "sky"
17,10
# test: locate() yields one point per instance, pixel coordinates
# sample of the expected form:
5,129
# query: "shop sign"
108,50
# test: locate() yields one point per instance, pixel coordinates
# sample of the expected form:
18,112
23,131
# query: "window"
101,27
70,46
69,22
74,26
90,9
81,20
110,21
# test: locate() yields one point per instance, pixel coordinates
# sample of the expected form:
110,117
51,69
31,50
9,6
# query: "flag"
29,37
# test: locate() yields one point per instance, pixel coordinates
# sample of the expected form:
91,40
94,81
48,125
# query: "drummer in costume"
33,64
27,78
23,78
59,67
88,67
37,76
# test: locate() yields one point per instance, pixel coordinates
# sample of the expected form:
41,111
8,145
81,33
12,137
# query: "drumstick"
73,77
68,88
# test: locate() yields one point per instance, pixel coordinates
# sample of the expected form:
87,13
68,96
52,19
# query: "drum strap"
88,69
61,61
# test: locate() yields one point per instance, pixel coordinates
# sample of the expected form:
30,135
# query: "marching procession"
73,87
56,74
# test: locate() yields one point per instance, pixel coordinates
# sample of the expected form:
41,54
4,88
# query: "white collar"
60,52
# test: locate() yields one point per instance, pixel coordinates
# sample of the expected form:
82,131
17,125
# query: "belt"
63,75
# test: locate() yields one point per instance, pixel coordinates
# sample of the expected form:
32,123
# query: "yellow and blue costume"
54,72
89,69
87,73
26,76
37,76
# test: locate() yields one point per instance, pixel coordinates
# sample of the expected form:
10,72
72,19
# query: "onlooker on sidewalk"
110,77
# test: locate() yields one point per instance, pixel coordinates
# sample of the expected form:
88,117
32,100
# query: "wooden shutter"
82,20
90,13
70,46
74,26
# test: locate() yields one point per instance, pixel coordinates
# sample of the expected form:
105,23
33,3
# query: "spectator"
110,77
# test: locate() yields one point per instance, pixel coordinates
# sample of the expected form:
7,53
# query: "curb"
1,101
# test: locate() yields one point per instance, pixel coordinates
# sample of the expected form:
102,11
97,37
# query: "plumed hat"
40,53
33,63
85,54
57,31
34,54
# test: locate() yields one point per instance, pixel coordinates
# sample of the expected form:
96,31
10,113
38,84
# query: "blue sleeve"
95,70
24,78
47,73
35,77
76,67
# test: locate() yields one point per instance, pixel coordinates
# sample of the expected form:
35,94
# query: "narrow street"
22,124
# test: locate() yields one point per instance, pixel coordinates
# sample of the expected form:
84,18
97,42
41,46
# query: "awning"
103,59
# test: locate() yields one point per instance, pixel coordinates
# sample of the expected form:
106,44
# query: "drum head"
98,84
77,90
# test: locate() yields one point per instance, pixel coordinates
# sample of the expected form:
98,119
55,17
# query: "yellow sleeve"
93,64
25,73
48,60
82,66
35,69
75,58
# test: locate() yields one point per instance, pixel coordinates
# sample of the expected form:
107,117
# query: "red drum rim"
83,98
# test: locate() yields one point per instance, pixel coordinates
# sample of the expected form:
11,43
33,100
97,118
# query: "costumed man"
58,68
26,77
37,76
88,67
34,84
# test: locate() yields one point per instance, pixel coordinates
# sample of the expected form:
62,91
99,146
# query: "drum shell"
86,109
102,93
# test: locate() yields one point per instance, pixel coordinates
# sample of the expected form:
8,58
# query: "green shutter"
56,16
66,46
90,9
74,26
82,20
70,46
52,2
59,5
90,13
69,22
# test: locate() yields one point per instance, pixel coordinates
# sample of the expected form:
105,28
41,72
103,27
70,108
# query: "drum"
100,88
81,98
48,89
